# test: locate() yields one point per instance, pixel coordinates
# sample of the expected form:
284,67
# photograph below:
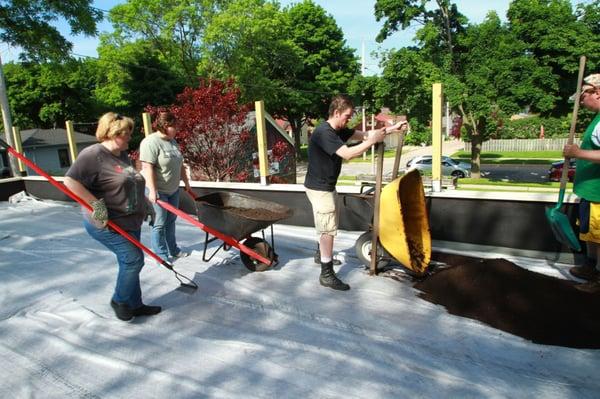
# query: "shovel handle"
565,170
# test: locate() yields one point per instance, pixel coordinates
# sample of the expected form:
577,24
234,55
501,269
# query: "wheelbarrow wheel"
363,251
261,247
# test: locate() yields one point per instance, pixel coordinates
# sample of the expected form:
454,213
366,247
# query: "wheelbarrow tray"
237,215
404,226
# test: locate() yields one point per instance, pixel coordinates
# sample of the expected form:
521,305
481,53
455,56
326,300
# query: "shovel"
559,222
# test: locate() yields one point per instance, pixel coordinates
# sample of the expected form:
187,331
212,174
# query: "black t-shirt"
324,165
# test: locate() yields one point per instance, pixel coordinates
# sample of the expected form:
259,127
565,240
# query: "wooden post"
436,138
19,149
376,199
6,120
72,141
261,136
147,121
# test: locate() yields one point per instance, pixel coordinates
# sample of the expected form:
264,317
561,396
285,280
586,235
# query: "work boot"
329,279
122,311
317,258
146,310
590,287
587,271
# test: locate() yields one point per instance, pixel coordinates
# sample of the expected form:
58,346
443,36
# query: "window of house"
63,158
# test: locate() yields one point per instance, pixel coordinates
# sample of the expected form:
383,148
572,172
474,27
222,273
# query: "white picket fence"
523,145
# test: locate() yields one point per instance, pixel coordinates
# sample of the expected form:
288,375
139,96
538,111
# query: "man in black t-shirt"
326,149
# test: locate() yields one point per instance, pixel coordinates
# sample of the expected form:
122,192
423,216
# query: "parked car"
450,167
555,171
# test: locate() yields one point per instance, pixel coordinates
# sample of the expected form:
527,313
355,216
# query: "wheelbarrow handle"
191,193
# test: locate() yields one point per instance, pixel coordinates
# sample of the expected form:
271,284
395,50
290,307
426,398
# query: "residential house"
48,149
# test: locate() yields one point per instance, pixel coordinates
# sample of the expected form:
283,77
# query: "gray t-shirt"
113,178
167,161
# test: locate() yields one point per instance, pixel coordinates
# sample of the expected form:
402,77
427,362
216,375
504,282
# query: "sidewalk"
368,167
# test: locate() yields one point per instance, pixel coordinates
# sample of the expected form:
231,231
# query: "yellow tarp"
403,222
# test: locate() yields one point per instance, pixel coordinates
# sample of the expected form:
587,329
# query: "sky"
354,17
272,334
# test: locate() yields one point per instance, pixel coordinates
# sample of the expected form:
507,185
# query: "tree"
556,38
211,131
440,25
486,70
173,28
498,78
294,59
29,24
133,76
46,95
250,41
328,65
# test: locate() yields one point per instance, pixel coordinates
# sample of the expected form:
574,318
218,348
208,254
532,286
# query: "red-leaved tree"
211,128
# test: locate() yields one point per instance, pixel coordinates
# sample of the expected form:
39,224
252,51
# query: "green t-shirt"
587,174
167,161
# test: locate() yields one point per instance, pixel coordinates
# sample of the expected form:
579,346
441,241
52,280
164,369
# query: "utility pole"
6,120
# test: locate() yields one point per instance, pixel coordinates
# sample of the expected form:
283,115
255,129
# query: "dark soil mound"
540,308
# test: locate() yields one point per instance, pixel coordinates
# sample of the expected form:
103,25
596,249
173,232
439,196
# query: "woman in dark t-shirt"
103,176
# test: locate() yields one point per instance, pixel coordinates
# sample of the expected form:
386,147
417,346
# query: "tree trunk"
476,144
297,133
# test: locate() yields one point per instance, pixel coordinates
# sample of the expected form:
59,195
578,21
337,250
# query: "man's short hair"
340,103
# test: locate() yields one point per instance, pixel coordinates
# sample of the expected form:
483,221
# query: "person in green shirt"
587,181
163,169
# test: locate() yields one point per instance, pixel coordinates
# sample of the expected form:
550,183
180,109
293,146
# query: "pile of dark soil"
540,308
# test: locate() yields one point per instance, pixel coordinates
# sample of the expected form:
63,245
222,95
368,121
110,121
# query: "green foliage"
46,95
418,135
529,128
134,76
556,38
31,25
250,40
173,29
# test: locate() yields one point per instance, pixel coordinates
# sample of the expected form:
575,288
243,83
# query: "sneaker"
146,310
317,259
586,272
122,311
181,254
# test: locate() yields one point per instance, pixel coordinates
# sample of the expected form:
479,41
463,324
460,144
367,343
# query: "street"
516,173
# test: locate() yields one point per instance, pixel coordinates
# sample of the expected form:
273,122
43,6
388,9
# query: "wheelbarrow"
400,229
231,218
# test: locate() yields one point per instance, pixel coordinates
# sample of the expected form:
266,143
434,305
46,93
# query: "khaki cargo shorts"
324,211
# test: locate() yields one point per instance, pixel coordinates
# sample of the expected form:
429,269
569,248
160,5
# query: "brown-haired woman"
163,169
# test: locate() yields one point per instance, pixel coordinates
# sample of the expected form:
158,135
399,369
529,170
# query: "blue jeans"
130,259
163,232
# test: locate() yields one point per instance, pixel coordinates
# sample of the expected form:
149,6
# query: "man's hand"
571,150
99,212
402,126
376,136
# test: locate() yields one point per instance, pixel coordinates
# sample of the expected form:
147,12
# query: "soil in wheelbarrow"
543,309
254,213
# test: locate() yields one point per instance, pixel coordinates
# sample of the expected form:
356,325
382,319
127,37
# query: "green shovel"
559,222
